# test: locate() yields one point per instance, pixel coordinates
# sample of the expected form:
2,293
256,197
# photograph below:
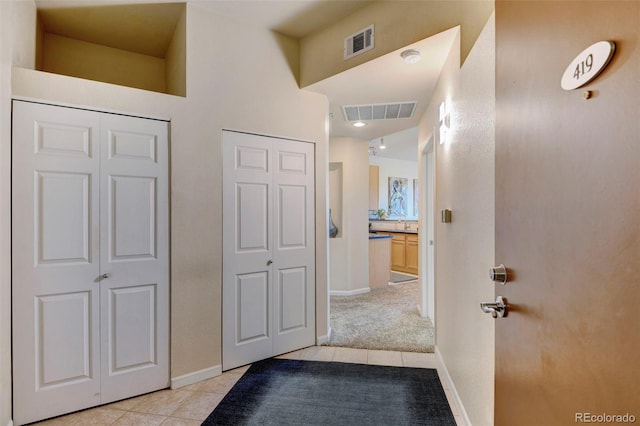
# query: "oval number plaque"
587,65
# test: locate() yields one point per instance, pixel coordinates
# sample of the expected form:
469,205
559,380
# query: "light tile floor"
192,404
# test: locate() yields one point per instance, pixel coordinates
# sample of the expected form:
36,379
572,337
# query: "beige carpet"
385,319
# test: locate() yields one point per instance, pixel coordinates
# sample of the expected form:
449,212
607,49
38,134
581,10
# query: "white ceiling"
387,79
402,145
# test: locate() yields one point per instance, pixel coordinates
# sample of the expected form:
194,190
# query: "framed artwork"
398,196
415,197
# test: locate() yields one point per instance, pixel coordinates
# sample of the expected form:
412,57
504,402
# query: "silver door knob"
269,262
498,274
105,276
497,309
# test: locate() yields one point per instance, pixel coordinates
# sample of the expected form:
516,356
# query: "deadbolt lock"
498,274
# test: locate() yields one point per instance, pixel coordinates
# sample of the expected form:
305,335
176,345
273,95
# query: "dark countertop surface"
392,220
379,237
408,231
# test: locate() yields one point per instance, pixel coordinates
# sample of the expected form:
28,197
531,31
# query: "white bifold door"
268,289
90,277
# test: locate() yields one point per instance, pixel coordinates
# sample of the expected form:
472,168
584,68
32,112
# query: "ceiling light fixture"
382,146
359,124
411,56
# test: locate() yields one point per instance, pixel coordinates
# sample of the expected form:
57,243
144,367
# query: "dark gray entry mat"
296,392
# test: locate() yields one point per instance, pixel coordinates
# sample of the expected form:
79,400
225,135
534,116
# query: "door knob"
497,309
102,277
269,262
498,274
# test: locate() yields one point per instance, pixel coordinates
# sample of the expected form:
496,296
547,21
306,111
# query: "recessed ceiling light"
411,56
359,124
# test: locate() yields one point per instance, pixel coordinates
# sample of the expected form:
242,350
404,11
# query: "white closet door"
294,245
134,255
55,247
268,288
247,317
90,259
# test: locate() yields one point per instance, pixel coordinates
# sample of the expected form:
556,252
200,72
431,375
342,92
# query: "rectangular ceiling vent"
379,111
359,42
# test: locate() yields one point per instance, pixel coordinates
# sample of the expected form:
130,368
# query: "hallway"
383,319
190,405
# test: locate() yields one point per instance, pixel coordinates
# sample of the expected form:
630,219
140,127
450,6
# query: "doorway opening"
376,303
362,93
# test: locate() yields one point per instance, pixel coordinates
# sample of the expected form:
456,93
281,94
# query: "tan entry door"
567,215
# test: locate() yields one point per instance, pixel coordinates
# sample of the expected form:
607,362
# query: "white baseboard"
321,340
10,423
196,376
452,387
424,314
349,293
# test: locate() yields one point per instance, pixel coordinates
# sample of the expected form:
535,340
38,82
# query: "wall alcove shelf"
135,45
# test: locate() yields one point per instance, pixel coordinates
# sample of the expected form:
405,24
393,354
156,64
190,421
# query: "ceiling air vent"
359,42
379,111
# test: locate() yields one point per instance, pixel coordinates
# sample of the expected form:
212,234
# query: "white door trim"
427,236
88,108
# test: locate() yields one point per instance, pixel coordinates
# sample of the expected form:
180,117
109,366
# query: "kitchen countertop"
392,220
374,236
396,226
402,231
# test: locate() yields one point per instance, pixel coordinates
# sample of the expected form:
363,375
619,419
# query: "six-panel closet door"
90,272
268,289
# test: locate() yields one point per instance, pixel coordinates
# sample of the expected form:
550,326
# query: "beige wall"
157,64
350,253
5,300
176,59
464,249
392,167
67,56
397,23
16,48
226,89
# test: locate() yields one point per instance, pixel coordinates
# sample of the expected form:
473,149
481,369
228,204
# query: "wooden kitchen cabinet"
404,252
398,252
374,187
411,253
